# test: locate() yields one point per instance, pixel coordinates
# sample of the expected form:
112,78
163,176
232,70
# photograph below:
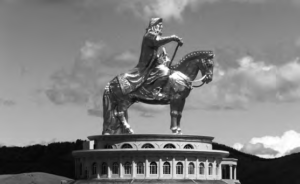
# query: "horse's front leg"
181,103
176,114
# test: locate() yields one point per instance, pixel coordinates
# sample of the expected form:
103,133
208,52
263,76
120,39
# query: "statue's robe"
135,77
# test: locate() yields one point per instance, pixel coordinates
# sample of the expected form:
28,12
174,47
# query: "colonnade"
229,171
190,168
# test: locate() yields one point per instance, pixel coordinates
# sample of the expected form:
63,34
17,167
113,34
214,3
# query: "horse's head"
206,65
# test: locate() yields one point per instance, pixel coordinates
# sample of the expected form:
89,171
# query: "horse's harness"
206,63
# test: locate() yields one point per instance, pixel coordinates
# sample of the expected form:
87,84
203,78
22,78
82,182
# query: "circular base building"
155,157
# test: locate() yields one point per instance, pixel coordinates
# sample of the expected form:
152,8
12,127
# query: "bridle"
206,63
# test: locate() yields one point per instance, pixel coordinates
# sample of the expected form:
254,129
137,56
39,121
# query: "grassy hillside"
255,170
54,158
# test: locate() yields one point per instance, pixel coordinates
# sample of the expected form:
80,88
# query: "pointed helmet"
155,21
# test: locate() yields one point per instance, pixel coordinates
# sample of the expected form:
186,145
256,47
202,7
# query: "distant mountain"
255,170
56,158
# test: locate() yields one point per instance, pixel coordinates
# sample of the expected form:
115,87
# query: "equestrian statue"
154,80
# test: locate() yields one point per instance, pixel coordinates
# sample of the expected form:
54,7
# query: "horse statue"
177,89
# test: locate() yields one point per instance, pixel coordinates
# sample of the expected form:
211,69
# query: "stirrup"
158,95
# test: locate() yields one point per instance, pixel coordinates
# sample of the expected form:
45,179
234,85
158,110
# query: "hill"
255,170
55,158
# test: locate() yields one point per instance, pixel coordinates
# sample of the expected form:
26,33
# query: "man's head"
155,25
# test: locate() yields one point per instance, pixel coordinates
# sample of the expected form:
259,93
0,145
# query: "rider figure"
152,41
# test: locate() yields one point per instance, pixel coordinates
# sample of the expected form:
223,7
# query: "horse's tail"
111,124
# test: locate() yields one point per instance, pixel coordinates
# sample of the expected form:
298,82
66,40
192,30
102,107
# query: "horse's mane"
192,55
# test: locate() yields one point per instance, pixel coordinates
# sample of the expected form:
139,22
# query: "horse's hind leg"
122,115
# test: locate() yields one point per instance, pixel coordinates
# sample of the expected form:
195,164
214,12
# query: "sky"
56,56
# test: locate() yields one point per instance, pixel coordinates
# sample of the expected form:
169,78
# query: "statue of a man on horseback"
150,67
154,81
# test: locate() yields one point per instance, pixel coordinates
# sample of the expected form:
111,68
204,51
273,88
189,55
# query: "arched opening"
201,169
140,168
126,146
115,168
127,167
210,169
167,168
104,168
153,168
94,168
188,146
179,168
148,146
169,146
86,174
191,169
80,169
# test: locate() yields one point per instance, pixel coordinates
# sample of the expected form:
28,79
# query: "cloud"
167,9
272,146
40,142
251,81
84,83
86,77
238,146
295,150
259,149
7,102
127,56
148,110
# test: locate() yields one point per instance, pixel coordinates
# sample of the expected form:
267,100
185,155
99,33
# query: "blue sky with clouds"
57,56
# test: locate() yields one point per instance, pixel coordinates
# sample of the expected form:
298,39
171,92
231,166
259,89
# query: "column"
230,172
160,169
197,168
109,166
147,167
185,168
234,177
214,169
220,172
173,168
133,168
206,168
121,167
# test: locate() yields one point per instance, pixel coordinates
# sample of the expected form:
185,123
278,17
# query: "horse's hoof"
131,131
